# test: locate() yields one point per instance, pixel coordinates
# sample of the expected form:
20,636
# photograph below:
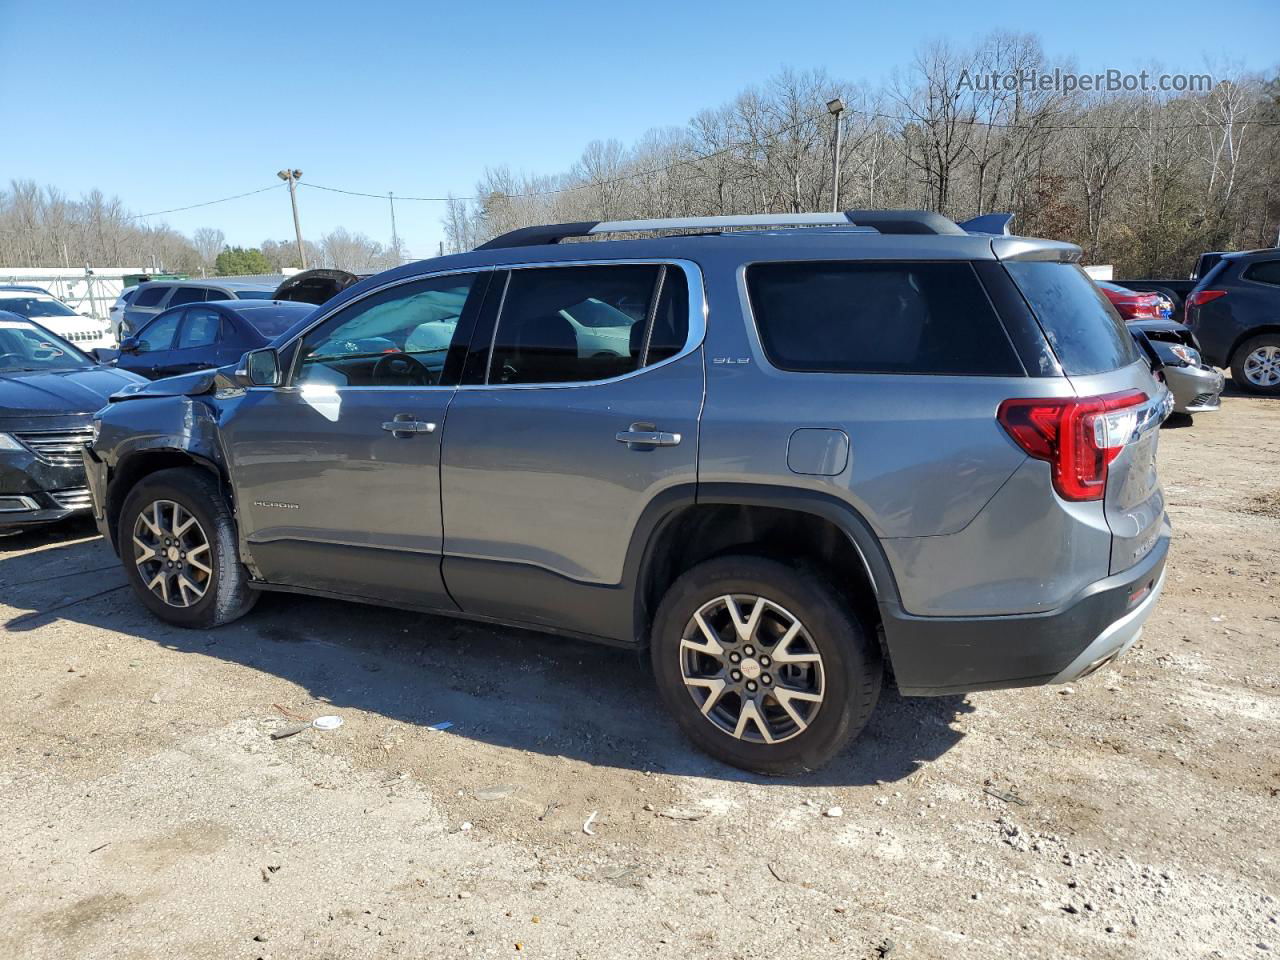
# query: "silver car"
831,443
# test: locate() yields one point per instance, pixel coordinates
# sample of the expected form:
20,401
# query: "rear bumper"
936,656
1194,389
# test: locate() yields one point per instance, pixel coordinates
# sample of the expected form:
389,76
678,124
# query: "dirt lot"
147,812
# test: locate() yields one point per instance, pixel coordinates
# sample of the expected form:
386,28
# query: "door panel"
536,487
337,476
330,500
547,470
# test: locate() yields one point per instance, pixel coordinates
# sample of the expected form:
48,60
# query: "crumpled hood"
54,392
184,385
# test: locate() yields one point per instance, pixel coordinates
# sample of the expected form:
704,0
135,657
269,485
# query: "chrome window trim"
698,313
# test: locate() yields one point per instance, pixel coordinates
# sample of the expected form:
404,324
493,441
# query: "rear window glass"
247,295
1083,328
843,317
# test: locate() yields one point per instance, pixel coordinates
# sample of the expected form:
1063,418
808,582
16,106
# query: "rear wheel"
1255,368
763,666
178,546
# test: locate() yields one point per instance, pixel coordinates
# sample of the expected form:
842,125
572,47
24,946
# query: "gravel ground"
148,812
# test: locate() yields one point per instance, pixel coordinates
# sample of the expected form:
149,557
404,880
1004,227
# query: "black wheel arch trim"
663,509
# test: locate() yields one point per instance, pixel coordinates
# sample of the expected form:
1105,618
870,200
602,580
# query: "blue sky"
166,109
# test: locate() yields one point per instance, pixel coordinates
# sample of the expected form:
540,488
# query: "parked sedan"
201,335
1196,386
49,392
1133,305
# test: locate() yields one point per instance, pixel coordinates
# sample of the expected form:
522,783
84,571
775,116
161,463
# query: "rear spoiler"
994,223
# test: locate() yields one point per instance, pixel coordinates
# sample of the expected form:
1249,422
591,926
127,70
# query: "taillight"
1077,436
1200,297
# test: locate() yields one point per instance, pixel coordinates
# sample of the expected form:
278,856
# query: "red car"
1133,305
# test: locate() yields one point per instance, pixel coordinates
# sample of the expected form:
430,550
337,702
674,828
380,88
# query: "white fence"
90,290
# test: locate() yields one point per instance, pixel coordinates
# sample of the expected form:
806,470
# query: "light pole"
292,177
395,240
835,108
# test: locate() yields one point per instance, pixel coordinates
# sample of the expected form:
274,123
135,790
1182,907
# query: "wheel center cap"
172,554
750,668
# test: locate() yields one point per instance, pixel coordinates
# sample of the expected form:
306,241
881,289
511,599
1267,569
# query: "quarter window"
397,337
187,295
1268,271
579,324
149,296
855,317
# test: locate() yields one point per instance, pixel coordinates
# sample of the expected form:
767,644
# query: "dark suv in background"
1235,314
156,296
776,452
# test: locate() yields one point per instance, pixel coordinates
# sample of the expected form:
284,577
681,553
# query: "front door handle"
406,425
641,435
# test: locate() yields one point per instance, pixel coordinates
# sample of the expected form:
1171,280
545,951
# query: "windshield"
26,347
36,306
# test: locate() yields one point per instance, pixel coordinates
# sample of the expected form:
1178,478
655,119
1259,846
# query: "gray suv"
785,453
154,297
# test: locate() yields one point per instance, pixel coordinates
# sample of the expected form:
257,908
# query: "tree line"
1144,180
42,227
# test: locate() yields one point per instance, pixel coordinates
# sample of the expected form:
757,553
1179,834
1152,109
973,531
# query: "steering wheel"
402,369
10,356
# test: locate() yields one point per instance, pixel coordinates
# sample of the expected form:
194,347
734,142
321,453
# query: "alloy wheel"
752,668
172,553
1262,366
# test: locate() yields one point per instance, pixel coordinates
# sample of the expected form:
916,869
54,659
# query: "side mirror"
259,368
129,345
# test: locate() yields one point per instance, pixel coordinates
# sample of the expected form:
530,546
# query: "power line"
207,203
972,121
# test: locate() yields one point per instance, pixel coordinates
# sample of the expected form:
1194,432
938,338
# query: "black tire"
850,658
1238,360
227,595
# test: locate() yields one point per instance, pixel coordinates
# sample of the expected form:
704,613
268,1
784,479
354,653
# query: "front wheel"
177,542
1255,367
764,666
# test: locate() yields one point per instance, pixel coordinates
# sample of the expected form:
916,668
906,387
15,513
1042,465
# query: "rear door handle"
640,435
405,425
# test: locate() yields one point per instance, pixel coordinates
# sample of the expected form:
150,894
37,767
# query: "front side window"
580,324
158,334
397,337
863,317
200,329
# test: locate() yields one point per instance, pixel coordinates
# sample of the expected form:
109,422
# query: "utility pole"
292,177
836,107
395,241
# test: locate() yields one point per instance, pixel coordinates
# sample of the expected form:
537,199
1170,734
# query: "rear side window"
572,324
853,317
1268,271
1083,328
188,295
149,296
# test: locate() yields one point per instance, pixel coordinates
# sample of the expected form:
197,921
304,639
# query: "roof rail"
885,221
